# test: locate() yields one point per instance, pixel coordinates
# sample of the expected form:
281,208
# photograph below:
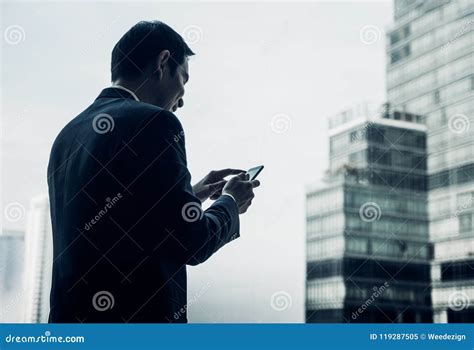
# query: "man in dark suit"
126,220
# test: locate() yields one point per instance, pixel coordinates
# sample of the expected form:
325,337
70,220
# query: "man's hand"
241,189
211,186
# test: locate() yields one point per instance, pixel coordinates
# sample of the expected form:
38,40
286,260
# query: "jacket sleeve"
198,233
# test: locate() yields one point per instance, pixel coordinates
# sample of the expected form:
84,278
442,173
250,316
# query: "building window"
395,57
394,38
406,31
406,51
436,97
465,223
353,157
400,53
444,118
465,200
354,136
400,34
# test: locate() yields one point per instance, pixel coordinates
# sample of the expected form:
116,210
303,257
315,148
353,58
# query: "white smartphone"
253,172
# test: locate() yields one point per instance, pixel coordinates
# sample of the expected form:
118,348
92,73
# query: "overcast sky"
265,78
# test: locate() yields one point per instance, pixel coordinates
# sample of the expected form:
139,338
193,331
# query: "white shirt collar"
125,89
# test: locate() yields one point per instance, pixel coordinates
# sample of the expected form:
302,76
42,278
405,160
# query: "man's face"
173,83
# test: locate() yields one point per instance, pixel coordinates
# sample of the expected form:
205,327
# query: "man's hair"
142,44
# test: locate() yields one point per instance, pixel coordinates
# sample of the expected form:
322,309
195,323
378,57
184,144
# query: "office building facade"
368,251
430,71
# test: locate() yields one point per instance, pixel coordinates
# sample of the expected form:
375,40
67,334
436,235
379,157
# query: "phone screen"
253,172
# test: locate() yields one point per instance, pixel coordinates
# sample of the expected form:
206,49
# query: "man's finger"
255,183
229,171
217,186
242,176
244,207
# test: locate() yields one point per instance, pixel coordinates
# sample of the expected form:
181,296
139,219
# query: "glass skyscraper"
38,262
391,202
368,251
430,71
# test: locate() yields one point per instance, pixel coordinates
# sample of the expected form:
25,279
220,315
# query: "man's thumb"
242,176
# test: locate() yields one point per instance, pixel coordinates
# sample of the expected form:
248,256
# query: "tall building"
368,255
430,71
11,274
38,261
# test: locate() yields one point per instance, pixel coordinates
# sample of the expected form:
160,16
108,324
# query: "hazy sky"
265,78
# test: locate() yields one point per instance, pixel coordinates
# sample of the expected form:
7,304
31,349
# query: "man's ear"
161,62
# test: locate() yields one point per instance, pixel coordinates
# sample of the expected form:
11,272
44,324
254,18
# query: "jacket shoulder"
147,114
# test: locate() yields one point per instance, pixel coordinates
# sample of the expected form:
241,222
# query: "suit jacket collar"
117,92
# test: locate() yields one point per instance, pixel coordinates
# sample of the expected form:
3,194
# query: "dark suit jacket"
125,219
